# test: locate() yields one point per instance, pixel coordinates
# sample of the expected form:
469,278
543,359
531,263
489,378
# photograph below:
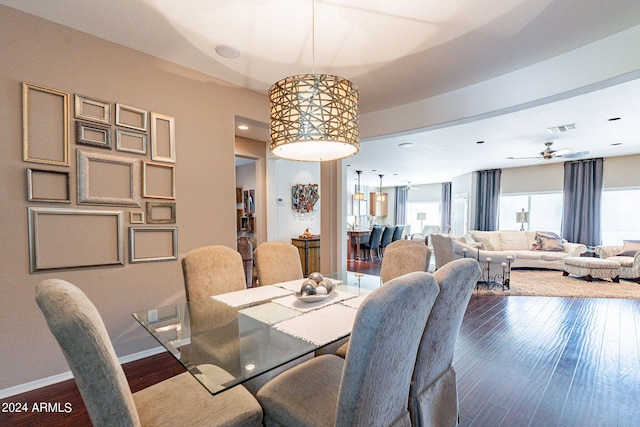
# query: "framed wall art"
131,141
93,134
92,109
48,186
107,179
161,213
45,124
147,244
304,197
131,117
136,217
61,239
163,138
158,181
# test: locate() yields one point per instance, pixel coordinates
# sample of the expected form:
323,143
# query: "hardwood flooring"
521,361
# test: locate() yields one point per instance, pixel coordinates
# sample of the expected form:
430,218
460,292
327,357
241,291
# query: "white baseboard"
54,379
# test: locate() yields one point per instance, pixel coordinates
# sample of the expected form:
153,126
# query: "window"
545,211
432,209
619,215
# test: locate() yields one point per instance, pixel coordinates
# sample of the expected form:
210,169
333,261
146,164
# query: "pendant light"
379,196
313,117
359,195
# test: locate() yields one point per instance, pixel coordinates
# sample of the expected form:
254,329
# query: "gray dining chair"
180,400
369,387
397,233
433,397
277,262
373,243
387,236
212,270
401,257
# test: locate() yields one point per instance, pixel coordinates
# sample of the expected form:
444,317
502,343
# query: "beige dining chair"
212,270
277,262
402,257
369,387
433,398
181,400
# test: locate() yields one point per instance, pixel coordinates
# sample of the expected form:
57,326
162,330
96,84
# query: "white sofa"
527,250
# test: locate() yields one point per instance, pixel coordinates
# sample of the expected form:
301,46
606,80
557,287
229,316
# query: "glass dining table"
228,339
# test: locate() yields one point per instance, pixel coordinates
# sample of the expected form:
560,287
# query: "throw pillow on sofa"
548,241
629,248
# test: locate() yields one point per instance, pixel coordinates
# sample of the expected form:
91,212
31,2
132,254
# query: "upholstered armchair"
180,400
371,386
629,264
277,262
424,234
212,270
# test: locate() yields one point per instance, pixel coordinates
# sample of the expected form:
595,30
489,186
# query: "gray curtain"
401,204
582,200
445,208
487,198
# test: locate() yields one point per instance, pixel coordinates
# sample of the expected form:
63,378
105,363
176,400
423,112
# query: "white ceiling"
397,52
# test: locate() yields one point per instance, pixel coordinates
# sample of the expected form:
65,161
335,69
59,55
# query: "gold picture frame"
48,186
161,213
45,125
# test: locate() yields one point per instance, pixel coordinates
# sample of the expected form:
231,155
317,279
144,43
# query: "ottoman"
591,268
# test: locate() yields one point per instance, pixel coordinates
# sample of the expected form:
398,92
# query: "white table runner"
322,326
251,295
292,302
354,302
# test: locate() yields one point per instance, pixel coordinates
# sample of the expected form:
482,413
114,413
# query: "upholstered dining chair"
387,236
181,400
369,387
397,233
373,244
402,257
212,270
277,262
433,398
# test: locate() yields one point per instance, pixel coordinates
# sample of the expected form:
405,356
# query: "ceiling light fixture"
227,51
405,144
243,127
359,195
380,197
313,117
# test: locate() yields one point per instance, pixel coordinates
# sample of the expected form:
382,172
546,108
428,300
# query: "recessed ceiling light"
480,142
613,119
405,144
227,51
617,143
243,127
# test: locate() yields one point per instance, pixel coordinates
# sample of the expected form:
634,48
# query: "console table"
309,250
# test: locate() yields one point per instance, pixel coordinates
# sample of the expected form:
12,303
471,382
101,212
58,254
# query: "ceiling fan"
548,153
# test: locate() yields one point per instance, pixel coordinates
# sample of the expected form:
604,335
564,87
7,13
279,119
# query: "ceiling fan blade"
562,152
574,154
523,158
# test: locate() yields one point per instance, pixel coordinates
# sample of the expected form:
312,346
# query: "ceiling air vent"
562,128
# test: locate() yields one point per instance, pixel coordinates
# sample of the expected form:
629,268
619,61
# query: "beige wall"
43,53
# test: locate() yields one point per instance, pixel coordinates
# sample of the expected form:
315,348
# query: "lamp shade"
313,117
422,216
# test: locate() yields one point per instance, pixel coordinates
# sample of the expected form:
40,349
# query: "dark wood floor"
521,361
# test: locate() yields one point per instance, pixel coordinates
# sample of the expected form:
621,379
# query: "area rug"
552,283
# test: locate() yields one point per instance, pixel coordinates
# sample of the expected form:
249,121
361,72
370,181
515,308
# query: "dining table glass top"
228,339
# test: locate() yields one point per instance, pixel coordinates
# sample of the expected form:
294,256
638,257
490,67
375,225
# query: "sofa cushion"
624,261
491,239
531,239
513,240
548,241
629,248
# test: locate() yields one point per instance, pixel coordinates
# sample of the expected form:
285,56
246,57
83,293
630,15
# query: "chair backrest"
375,237
433,396
212,270
402,257
442,249
382,352
83,338
387,235
277,262
397,233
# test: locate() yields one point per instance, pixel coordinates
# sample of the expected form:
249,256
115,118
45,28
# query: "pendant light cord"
313,36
